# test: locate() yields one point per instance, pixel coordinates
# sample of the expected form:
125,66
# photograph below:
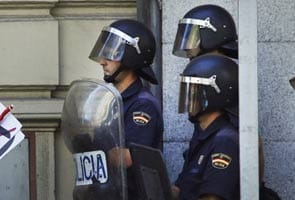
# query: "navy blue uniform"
212,162
143,123
142,116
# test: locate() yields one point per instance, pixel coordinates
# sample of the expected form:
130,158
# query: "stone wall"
276,58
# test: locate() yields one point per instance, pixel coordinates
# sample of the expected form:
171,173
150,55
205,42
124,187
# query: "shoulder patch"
141,118
220,160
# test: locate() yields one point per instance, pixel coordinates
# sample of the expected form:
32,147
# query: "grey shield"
92,128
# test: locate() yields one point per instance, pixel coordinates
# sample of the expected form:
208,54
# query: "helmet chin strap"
194,119
111,78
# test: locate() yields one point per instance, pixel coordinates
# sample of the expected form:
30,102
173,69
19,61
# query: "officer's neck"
124,80
207,118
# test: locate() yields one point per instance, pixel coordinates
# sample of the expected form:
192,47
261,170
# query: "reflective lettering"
101,171
89,165
79,173
93,168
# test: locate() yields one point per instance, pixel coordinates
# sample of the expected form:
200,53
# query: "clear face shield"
192,95
111,45
187,41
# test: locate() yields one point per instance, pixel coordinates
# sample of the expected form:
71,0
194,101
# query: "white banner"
10,131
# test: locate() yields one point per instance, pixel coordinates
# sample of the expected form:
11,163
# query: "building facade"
44,45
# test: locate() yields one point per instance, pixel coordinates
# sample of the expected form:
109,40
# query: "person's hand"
119,157
175,192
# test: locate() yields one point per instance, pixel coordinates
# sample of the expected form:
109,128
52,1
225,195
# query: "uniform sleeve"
143,124
221,176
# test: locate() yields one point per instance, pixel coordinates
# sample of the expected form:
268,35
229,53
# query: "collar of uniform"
132,89
212,128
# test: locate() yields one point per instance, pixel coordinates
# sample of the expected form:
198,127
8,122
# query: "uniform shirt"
142,116
212,162
143,124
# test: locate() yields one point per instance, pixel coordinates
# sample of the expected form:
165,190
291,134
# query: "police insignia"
141,118
220,160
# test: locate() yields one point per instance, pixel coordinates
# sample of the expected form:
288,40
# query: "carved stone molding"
37,114
22,10
22,92
94,9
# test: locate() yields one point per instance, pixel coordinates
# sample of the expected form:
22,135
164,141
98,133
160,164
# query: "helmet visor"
192,95
187,41
190,98
108,46
111,45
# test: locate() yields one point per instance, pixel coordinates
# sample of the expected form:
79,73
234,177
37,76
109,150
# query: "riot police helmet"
208,83
129,42
206,28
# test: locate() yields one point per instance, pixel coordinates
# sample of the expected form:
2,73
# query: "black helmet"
129,42
206,28
208,83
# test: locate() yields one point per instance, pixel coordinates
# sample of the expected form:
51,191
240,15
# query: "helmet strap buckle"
202,23
202,81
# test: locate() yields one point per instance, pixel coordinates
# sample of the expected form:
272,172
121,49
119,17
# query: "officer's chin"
194,117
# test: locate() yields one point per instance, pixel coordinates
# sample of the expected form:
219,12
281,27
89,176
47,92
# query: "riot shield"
92,128
150,173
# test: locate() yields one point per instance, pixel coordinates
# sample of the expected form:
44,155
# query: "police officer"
209,86
210,29
126,49
206,29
